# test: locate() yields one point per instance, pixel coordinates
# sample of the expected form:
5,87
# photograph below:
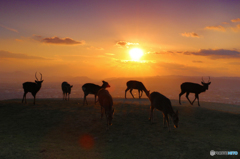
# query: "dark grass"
54,129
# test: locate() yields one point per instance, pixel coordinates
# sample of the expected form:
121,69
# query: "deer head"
205,85
105,84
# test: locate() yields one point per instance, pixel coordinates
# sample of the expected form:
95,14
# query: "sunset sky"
93,38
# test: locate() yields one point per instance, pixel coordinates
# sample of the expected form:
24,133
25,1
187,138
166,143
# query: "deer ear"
209,83
71,86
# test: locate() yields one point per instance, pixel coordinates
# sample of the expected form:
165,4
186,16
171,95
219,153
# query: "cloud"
10,29
216,54
95,48
197,61
122,44
216,28
58,41
235,20
236,29
160,52
111,54
6,54
225,23
194,35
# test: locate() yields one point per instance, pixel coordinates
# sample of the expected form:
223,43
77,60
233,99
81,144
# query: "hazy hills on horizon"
222,89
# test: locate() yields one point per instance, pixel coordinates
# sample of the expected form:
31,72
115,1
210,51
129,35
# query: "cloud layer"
216,54
122,44
194,35
216,28
6,54
58,41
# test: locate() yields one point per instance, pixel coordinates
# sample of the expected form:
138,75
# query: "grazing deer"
66,88
193,88
136,85
106,102
32,87
163,104
90,88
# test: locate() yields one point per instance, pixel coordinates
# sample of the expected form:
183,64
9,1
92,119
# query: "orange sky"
93,39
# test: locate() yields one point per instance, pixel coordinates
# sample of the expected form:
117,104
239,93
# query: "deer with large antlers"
136,85
90,88
189,87
163,104
32,87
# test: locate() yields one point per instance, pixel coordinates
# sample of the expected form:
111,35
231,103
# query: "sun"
136,54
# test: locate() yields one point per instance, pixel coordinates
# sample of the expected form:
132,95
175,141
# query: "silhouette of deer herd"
105,100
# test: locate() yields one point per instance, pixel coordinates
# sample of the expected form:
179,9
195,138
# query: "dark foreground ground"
66,129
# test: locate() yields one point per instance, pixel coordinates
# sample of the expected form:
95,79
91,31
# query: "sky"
93,38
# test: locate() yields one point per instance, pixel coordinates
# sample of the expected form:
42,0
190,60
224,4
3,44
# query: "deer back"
161,103
33,87
91,88
66,87
135,85
192,87
105,99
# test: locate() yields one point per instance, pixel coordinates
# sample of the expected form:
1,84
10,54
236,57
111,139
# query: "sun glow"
136,54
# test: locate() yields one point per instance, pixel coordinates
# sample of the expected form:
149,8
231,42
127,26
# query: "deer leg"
131,92
151,114
188,98
198,99
95,98
24,97
101,112
34,99
194,99
180,96
139,94
126,92
164,120
85,99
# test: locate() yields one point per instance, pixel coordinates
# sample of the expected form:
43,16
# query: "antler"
41,75
36,76
208,79
203,80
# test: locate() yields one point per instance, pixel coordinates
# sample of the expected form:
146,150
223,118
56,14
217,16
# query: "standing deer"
90,88
163,104
106,102
32,87
66,88
193,88
136,85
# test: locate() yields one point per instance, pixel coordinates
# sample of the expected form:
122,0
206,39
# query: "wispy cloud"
10,29
216,54
216,28
111,54
95,48
235,20
58,41
192,34
7,54
122,44
236,29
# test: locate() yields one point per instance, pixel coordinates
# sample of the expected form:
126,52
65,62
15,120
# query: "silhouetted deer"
32,87
189,87
66,88
90,88
163,104
106,102
136,85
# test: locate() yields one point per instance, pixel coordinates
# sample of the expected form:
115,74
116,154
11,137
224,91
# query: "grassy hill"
54,128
